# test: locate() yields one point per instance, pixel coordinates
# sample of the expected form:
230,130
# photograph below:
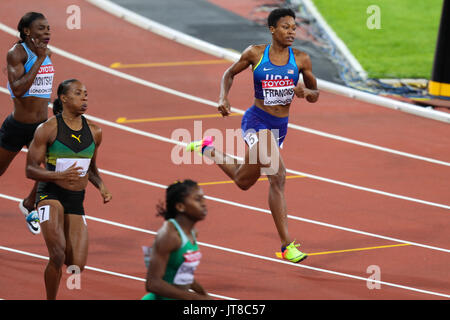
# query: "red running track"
238,243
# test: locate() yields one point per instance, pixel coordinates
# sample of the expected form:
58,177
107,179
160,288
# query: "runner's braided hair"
62,89
26,21
175,193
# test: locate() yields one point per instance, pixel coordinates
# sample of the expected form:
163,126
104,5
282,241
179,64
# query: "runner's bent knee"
278,179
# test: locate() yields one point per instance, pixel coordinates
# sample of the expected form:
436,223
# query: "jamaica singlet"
275,84
70,144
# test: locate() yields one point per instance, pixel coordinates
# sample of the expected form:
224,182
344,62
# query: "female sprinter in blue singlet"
276,68
30,80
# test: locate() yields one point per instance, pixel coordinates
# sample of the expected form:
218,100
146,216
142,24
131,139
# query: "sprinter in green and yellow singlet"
68,144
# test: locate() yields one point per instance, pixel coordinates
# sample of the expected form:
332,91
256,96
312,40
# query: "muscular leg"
245,174
257,158
29,201
6,157
276,173
277,203
77,240
53,231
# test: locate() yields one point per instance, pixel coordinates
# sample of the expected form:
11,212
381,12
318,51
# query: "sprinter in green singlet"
67,144
175,254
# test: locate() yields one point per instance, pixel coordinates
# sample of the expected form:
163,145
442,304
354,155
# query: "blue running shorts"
256,119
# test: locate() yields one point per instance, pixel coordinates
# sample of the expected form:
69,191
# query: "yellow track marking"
278,254
231,181
118,65
198,116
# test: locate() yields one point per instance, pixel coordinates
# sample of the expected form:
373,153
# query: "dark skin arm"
195,286
166,242
94,174
248,57
20,81
310,91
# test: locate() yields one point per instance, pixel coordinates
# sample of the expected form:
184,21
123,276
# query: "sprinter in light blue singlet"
276,68
30,81
43,82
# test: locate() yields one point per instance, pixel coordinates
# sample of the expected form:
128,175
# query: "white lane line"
87,267
383,193
311,176
368,145
248,207
180,94
243,253
253,208
112,273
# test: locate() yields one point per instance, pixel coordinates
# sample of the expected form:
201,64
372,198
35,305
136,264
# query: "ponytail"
63,88
57,106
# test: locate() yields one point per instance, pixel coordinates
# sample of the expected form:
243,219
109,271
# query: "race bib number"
278,92
44,213
185,273
63,164
43,82
251,138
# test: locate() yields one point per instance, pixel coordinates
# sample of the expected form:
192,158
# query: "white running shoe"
32,219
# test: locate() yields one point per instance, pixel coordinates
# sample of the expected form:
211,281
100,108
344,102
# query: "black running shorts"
14,135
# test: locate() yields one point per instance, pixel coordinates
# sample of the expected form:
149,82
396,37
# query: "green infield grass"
401,45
